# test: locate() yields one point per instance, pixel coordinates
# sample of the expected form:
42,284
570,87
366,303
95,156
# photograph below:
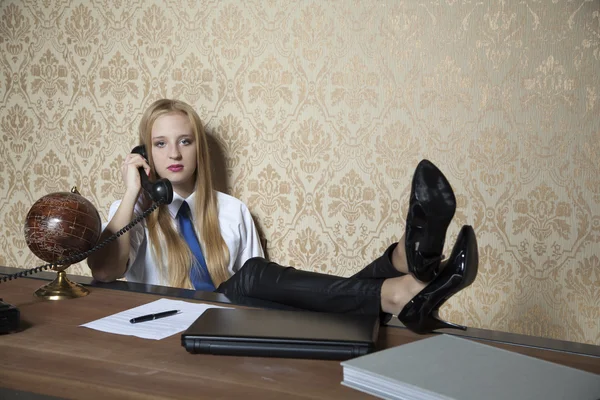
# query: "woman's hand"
131,176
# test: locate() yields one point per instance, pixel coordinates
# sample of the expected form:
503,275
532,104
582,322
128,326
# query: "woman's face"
174,151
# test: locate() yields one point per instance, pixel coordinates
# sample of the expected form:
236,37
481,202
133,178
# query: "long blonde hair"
171,252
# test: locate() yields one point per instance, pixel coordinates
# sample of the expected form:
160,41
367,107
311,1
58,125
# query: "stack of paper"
448,367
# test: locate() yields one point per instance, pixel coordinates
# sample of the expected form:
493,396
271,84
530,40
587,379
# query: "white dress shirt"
237,229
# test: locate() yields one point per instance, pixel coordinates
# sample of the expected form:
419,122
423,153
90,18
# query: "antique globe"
59,228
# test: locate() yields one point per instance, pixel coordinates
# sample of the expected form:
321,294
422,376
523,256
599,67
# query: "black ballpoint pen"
150,317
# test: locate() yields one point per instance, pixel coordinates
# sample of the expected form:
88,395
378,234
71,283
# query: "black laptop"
281,333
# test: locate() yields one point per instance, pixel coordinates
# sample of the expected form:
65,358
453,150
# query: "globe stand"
61,288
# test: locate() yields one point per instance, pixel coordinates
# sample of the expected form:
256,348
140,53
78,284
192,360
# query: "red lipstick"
175,167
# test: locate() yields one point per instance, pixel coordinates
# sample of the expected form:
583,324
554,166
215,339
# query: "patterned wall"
319,112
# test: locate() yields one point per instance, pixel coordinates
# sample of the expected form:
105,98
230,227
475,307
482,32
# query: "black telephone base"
9,317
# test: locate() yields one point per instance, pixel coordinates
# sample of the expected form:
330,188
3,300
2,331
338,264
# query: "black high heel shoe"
431,208
420,314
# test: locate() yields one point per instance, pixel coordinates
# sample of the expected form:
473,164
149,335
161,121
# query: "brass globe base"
61,288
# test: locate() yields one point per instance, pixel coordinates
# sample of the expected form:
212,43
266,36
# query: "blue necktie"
198,272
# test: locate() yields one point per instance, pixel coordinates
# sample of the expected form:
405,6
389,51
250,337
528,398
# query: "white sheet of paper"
155,329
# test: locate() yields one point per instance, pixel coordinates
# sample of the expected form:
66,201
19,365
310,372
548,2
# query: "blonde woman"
410,280
153,251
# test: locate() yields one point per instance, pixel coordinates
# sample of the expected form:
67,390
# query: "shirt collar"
178,201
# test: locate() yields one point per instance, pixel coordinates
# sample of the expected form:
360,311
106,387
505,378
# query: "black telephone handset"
160,191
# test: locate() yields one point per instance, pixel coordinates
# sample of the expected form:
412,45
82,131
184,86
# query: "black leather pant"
313,291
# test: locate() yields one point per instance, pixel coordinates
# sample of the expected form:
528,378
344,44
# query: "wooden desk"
52,355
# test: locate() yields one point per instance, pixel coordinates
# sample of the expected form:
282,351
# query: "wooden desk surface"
53,355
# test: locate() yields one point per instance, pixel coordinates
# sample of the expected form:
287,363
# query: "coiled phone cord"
82,256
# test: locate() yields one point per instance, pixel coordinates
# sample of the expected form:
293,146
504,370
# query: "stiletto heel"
431,324
438,323
420,314
431,208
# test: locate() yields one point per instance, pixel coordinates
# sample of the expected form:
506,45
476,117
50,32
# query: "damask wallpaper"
318,113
